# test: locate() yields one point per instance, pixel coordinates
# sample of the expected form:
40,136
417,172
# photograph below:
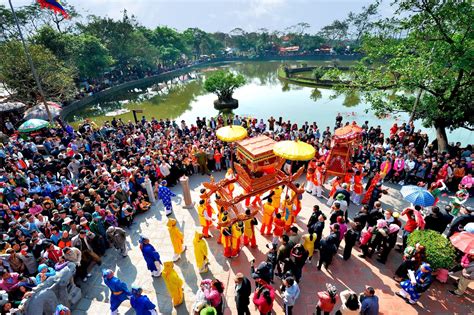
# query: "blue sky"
224,15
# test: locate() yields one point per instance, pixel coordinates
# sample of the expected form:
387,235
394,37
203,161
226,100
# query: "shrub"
318,73
440,253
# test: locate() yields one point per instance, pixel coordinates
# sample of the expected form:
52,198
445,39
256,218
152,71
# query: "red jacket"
325,302
260,301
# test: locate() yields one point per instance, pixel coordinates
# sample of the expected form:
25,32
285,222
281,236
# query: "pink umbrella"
463,241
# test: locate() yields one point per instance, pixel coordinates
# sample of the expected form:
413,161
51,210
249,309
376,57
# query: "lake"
263,96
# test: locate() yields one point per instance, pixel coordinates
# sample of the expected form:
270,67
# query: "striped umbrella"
33,125
39,111
418,196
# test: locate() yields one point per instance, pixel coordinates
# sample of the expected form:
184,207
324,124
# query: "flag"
54,5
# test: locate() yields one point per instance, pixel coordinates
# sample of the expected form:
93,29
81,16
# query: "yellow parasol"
231,133
294,150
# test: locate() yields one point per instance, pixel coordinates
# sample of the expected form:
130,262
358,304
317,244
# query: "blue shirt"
370,306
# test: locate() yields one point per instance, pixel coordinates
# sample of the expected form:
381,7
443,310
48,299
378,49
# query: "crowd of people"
68,195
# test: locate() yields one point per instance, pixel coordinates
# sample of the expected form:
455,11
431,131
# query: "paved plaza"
353,274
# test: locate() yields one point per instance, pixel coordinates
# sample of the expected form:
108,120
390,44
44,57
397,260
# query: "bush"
318,73
440,253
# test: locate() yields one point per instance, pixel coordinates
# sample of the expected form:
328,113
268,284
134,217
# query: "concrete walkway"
353,274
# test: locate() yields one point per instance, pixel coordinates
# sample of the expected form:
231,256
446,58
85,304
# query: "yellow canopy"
231,133
294,150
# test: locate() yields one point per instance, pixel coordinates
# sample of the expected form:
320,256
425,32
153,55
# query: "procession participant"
118,238
335,185
226,236
141,303
348,178
200,252
220,215
276,196
278,228
436,189
289,213
317,181
249,231
205,219
165,194
118,290
237,231
174,284
152,257
177,239
358,187
267,217
309,187
296,198
385,168
230,176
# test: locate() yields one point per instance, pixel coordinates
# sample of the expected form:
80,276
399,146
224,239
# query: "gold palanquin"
257,163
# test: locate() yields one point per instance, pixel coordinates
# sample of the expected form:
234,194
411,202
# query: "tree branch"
427,8
457,85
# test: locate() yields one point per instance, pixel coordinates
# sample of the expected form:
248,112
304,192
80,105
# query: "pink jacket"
399,165
467,181
212,295
386,166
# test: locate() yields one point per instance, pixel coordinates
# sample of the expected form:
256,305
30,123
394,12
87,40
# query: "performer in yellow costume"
174,284
249,232
276,197
289,213
230,175
296,199
226,236
267,217
200,252
205,217
237,231
177,239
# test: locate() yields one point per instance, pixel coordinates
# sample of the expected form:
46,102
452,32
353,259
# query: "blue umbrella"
418,196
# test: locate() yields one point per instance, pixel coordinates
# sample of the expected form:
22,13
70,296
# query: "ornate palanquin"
344,141
258,170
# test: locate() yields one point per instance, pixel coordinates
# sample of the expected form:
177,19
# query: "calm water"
263,95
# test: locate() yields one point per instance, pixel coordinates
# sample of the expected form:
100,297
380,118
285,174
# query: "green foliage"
56,79
223,83
89,56
440,253
125,42
316,94
318,73
434,58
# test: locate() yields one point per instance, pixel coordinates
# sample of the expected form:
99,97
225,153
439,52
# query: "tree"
223,83
434,59
335,32
89,56
124,40
361,23
56,78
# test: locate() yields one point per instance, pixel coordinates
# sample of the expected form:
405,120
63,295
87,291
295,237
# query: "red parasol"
348,133
463,241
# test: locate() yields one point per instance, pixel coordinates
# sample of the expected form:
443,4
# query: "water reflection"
351,99
264,95
316,94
